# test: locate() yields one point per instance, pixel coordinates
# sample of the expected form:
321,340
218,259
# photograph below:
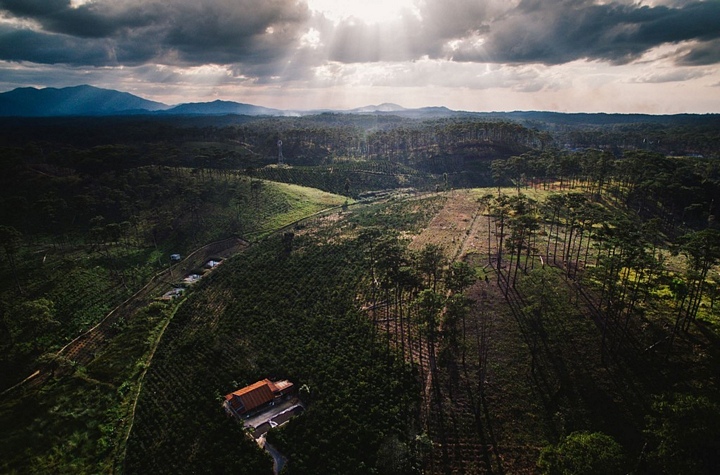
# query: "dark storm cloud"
25,45
34,8
532,31
228,32
91,20
702,54
182,31
264,36
556,32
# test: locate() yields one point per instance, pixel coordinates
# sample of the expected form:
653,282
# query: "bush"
583,453
684,433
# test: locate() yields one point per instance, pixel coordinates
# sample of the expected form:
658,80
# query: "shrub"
583,453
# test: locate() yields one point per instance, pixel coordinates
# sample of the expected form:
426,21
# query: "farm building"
256,395
173,294
212,263
191,278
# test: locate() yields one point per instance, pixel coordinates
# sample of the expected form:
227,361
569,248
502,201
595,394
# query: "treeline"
370,152
140,205
314,140
679,191
698,136
645,292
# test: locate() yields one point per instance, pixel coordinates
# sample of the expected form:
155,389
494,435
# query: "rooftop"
256,395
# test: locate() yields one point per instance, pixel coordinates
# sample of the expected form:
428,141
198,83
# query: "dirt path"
455,409
279,459
83,349
451,226
131,415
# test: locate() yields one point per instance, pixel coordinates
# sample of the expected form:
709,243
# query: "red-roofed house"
258,394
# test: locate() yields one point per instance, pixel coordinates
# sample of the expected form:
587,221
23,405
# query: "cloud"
561,31
672,75
438,74
702,54
90,20
529,31
179,31
18,44
273,41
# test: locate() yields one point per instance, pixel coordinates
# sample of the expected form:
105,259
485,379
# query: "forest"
451,296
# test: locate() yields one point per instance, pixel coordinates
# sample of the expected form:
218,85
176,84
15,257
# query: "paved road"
278,459
259,419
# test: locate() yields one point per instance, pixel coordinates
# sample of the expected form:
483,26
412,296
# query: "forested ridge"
475,297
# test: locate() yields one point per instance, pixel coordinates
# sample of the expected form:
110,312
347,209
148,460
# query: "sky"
647,56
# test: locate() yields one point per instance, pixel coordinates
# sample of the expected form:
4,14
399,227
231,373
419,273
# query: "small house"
255,396
191,278
173,294
212,263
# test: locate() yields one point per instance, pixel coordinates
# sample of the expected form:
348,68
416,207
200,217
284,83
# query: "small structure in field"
256,396
212,263
191,278
175,257
173,294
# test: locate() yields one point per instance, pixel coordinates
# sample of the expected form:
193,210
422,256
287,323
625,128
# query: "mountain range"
93,101
68,101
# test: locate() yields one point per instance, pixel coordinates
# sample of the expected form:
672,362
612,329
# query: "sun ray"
367,11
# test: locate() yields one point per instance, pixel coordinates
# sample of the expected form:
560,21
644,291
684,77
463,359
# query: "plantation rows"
285,315
532,360
408,216
72,280
83,349
74,416
402,321
405,302
71,299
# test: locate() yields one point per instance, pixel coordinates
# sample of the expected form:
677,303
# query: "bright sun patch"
368,11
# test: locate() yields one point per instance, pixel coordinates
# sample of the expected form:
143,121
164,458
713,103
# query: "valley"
448,296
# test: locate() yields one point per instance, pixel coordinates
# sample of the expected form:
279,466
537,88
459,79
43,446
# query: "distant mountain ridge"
221,107
68,101
93,101
384,107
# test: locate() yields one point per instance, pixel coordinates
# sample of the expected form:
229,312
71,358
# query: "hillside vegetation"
476,301
61,281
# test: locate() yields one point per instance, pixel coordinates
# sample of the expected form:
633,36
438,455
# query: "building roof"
278,386
255,395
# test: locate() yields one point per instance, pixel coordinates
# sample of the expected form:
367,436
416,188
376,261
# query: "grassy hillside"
75,417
